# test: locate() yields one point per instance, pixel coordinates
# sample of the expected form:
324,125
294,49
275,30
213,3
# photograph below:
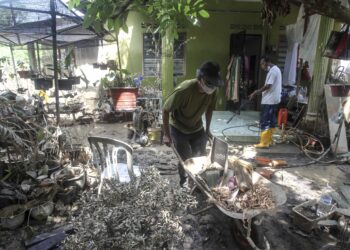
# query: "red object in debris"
282,117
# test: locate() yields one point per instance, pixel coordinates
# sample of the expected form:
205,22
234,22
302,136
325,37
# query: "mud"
211,229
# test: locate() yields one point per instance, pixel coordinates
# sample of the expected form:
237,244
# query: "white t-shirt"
273,95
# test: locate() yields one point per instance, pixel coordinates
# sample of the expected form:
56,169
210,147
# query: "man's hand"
252,95
167,140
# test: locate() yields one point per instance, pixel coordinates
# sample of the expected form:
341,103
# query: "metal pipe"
54,54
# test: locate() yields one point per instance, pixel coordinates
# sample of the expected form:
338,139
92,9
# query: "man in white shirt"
271,97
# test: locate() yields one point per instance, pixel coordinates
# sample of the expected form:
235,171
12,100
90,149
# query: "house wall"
209,41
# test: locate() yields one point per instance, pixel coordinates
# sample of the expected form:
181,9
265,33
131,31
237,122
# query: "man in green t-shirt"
185,107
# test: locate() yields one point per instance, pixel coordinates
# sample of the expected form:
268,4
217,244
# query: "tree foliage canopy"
112,14
330,8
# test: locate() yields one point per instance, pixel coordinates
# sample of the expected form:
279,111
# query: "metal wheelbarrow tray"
194,166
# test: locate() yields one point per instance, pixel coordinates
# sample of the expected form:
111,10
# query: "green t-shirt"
187,105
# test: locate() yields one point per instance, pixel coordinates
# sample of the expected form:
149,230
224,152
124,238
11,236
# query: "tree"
330,8
112,14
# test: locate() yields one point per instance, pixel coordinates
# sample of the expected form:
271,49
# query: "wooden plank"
333,107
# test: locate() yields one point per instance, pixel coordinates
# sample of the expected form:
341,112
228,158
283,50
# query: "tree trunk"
167,63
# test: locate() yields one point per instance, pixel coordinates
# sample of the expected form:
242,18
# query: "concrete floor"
241,128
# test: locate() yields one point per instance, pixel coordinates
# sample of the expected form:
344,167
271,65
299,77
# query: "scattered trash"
144,213
264,161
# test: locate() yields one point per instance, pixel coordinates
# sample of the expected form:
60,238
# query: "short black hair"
209,69
266,58
211,72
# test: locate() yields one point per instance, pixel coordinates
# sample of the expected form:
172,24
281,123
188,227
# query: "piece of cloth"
187,105
188,146
273,94
233,78
308,46
268,116
294,34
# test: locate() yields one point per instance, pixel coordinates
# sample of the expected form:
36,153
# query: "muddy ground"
211,229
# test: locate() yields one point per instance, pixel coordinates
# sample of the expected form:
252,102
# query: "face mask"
206,89
268,68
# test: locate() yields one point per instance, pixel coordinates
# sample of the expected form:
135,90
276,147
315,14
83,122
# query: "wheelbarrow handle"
177,154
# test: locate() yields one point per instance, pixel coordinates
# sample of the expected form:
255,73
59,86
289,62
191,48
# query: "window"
152,54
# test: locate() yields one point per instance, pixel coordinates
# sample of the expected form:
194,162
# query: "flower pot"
42,211
24,74
76,79
65,84
12,217
71,177
111,64
339,90
103,66
124,98
43,83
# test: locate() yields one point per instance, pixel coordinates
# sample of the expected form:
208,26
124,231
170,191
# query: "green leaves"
204,13
112,14
73,3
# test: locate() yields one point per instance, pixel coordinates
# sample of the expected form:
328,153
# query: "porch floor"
241,128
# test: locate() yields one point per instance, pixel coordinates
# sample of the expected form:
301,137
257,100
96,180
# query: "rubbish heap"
143,214
36,168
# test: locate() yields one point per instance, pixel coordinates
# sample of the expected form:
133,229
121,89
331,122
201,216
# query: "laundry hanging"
233,79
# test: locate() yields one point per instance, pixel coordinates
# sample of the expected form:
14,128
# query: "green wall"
210,41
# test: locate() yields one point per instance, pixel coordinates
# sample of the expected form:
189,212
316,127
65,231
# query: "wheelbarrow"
217,159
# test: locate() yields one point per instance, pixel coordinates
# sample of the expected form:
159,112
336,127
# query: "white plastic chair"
105,158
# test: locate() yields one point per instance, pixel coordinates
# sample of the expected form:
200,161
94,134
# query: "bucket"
282,117
154,134
124,99
339,90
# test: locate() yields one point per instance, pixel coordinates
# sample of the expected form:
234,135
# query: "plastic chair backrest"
105,155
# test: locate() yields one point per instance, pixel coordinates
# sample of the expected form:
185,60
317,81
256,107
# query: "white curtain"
308,46
294,33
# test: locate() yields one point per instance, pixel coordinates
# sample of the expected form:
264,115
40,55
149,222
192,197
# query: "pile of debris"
143,214
33,173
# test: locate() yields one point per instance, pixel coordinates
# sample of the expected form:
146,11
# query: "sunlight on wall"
124,43
109,51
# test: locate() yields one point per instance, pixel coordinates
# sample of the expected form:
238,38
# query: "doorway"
245,50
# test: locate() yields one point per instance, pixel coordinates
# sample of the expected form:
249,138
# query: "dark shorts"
188,146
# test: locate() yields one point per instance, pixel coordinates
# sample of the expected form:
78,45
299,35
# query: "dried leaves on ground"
259,197
143,214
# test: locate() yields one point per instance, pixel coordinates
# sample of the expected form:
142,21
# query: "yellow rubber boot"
272,131
264,139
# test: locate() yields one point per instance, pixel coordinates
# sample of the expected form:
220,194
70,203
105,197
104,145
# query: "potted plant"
24,72
66,78
121,88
